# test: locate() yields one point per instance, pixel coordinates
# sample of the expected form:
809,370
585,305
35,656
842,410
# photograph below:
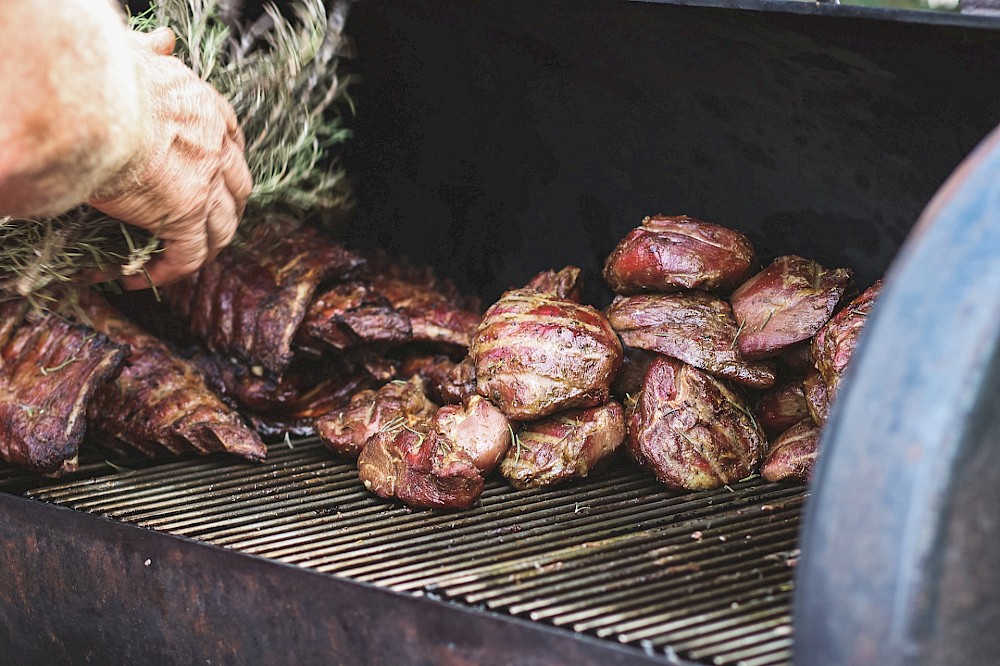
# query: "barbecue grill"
497,139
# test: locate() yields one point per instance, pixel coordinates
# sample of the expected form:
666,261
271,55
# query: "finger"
222,223
161,41
236,175
232,122
178,259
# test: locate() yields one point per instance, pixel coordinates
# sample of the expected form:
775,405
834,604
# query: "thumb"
159,41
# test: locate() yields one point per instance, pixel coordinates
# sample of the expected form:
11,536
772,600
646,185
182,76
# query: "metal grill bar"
706,576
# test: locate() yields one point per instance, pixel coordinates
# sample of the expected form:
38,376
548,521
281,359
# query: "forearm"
70,103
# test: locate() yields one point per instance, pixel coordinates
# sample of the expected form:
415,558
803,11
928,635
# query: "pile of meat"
693,368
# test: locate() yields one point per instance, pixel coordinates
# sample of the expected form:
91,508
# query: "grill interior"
706,577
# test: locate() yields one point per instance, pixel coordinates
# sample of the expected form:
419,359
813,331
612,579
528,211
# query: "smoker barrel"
498,138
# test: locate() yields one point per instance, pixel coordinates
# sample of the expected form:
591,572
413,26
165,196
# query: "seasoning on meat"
160,401
691,430
786,303
352,314
346,431
250,300
694,327
536,355
793,453
478,428
833,345
671,253
50,371
564,446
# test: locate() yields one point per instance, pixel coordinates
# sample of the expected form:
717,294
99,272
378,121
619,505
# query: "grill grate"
703,576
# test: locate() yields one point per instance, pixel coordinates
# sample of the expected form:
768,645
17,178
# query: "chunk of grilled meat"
352,314
434,369
438,311
628,379
565,283
782,407
694,327
346,431
691,430
460,384
793,453
160,401
672,253
439,461
420,467
478,428
817,397
434,317
536,355
250,300
564,446
833,345
786,303
50,371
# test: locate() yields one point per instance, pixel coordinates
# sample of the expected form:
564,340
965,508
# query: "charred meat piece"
672,253
433,317
786,303
694,327
346,431
422,468
793,454
564,446
434,369
250,300
160,401
566,283
460,383
478,428
834,344
817,397
536,355
782,407
352,314
691,430
628,379
51,370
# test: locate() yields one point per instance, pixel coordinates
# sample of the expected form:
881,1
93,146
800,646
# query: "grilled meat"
346,431
160,401
250,300
833,345
422,468
796,360
566,283
671,253
786,303
793,453
460,383
536,355
51,370
691,430
437,461
817,397
352,314
628,379
564,446
694,327
434,317
478,428
434,369
782,407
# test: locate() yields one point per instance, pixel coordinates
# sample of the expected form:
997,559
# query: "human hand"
188,182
